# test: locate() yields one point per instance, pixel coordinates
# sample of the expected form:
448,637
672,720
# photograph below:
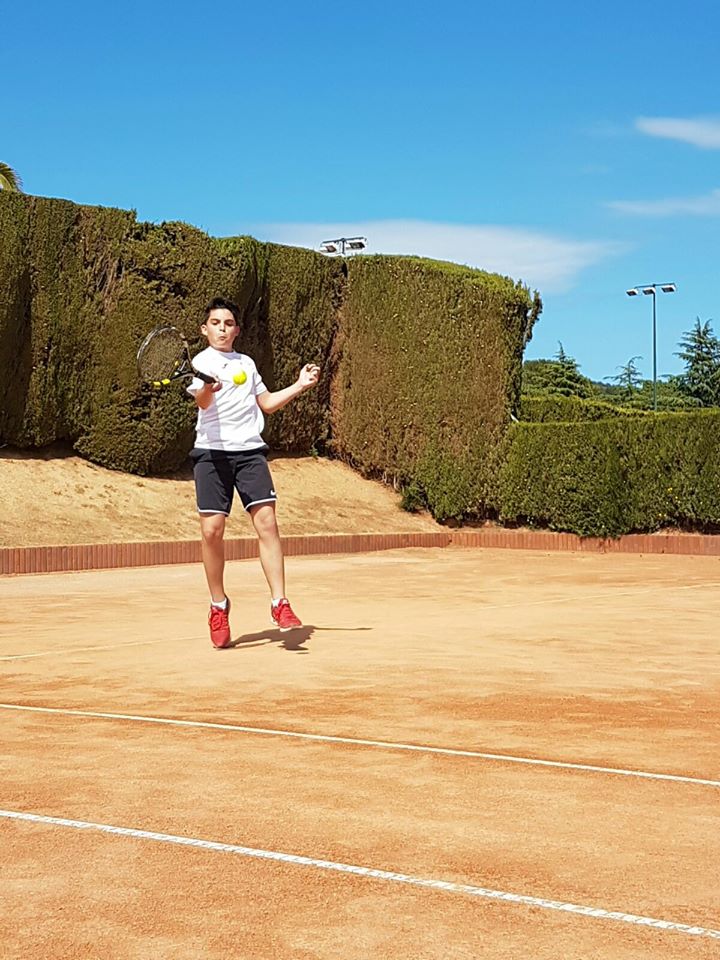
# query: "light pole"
650,290
342,243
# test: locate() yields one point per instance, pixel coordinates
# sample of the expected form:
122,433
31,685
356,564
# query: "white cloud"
703,132
544,261
703,206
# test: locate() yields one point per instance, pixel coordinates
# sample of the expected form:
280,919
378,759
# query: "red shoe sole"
285,629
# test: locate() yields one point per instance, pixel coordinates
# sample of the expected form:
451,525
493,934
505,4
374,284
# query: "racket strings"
162,353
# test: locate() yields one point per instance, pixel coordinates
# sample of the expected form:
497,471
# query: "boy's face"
220,329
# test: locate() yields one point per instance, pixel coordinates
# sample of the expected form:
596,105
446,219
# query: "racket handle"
204,377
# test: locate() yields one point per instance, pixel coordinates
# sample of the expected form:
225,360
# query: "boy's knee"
265,523
212,528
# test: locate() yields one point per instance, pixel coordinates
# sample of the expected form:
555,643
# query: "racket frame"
185,370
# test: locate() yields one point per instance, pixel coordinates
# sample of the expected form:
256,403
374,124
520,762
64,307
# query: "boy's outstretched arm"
271,402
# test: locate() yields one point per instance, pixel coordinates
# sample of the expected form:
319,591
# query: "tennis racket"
164,356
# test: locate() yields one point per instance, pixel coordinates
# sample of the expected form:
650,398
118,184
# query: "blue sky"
573,146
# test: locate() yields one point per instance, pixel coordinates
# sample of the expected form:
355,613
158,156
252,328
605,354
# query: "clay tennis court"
465,753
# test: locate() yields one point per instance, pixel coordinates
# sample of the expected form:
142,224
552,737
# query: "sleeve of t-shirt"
258,386
196,384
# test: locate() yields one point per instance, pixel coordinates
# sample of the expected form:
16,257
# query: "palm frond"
9,180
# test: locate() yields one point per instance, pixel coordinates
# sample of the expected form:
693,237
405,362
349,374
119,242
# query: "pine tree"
701,353
628,378
559,375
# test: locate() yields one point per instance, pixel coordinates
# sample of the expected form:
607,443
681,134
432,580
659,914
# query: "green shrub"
551,408
610,477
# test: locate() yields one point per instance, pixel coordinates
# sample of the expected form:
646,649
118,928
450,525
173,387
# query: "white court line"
356,741
107,646
445,885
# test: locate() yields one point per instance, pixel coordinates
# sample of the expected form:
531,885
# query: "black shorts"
218,473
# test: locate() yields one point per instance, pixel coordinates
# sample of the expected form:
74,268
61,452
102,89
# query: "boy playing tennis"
229,455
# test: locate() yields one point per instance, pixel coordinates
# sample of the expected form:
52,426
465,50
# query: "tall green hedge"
610,477
62,259
297,324
429,367
422,360
166,274
15,297
81,286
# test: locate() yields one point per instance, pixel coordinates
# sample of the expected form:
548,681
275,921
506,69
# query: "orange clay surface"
592,659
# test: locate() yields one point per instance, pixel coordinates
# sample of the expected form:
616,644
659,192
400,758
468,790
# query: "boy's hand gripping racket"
164,356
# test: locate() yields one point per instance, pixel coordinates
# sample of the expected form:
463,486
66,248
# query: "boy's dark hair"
220,303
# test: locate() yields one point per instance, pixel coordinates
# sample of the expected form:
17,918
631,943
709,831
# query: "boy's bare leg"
212,527
271,555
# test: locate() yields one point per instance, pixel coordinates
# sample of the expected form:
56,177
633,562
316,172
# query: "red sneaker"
219,622
283,616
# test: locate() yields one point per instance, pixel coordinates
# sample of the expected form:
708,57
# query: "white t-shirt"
233,421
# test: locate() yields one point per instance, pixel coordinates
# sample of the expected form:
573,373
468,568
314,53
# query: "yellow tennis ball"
239,378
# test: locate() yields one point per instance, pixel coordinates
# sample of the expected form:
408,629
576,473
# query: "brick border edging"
105,556
679,544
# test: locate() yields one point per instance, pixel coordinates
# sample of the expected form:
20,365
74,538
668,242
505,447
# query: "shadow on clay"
290,640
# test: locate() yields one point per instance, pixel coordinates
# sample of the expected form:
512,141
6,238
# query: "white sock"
222,605
276,600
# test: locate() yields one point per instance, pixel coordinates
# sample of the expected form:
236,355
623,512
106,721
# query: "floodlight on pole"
342,244
650,290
